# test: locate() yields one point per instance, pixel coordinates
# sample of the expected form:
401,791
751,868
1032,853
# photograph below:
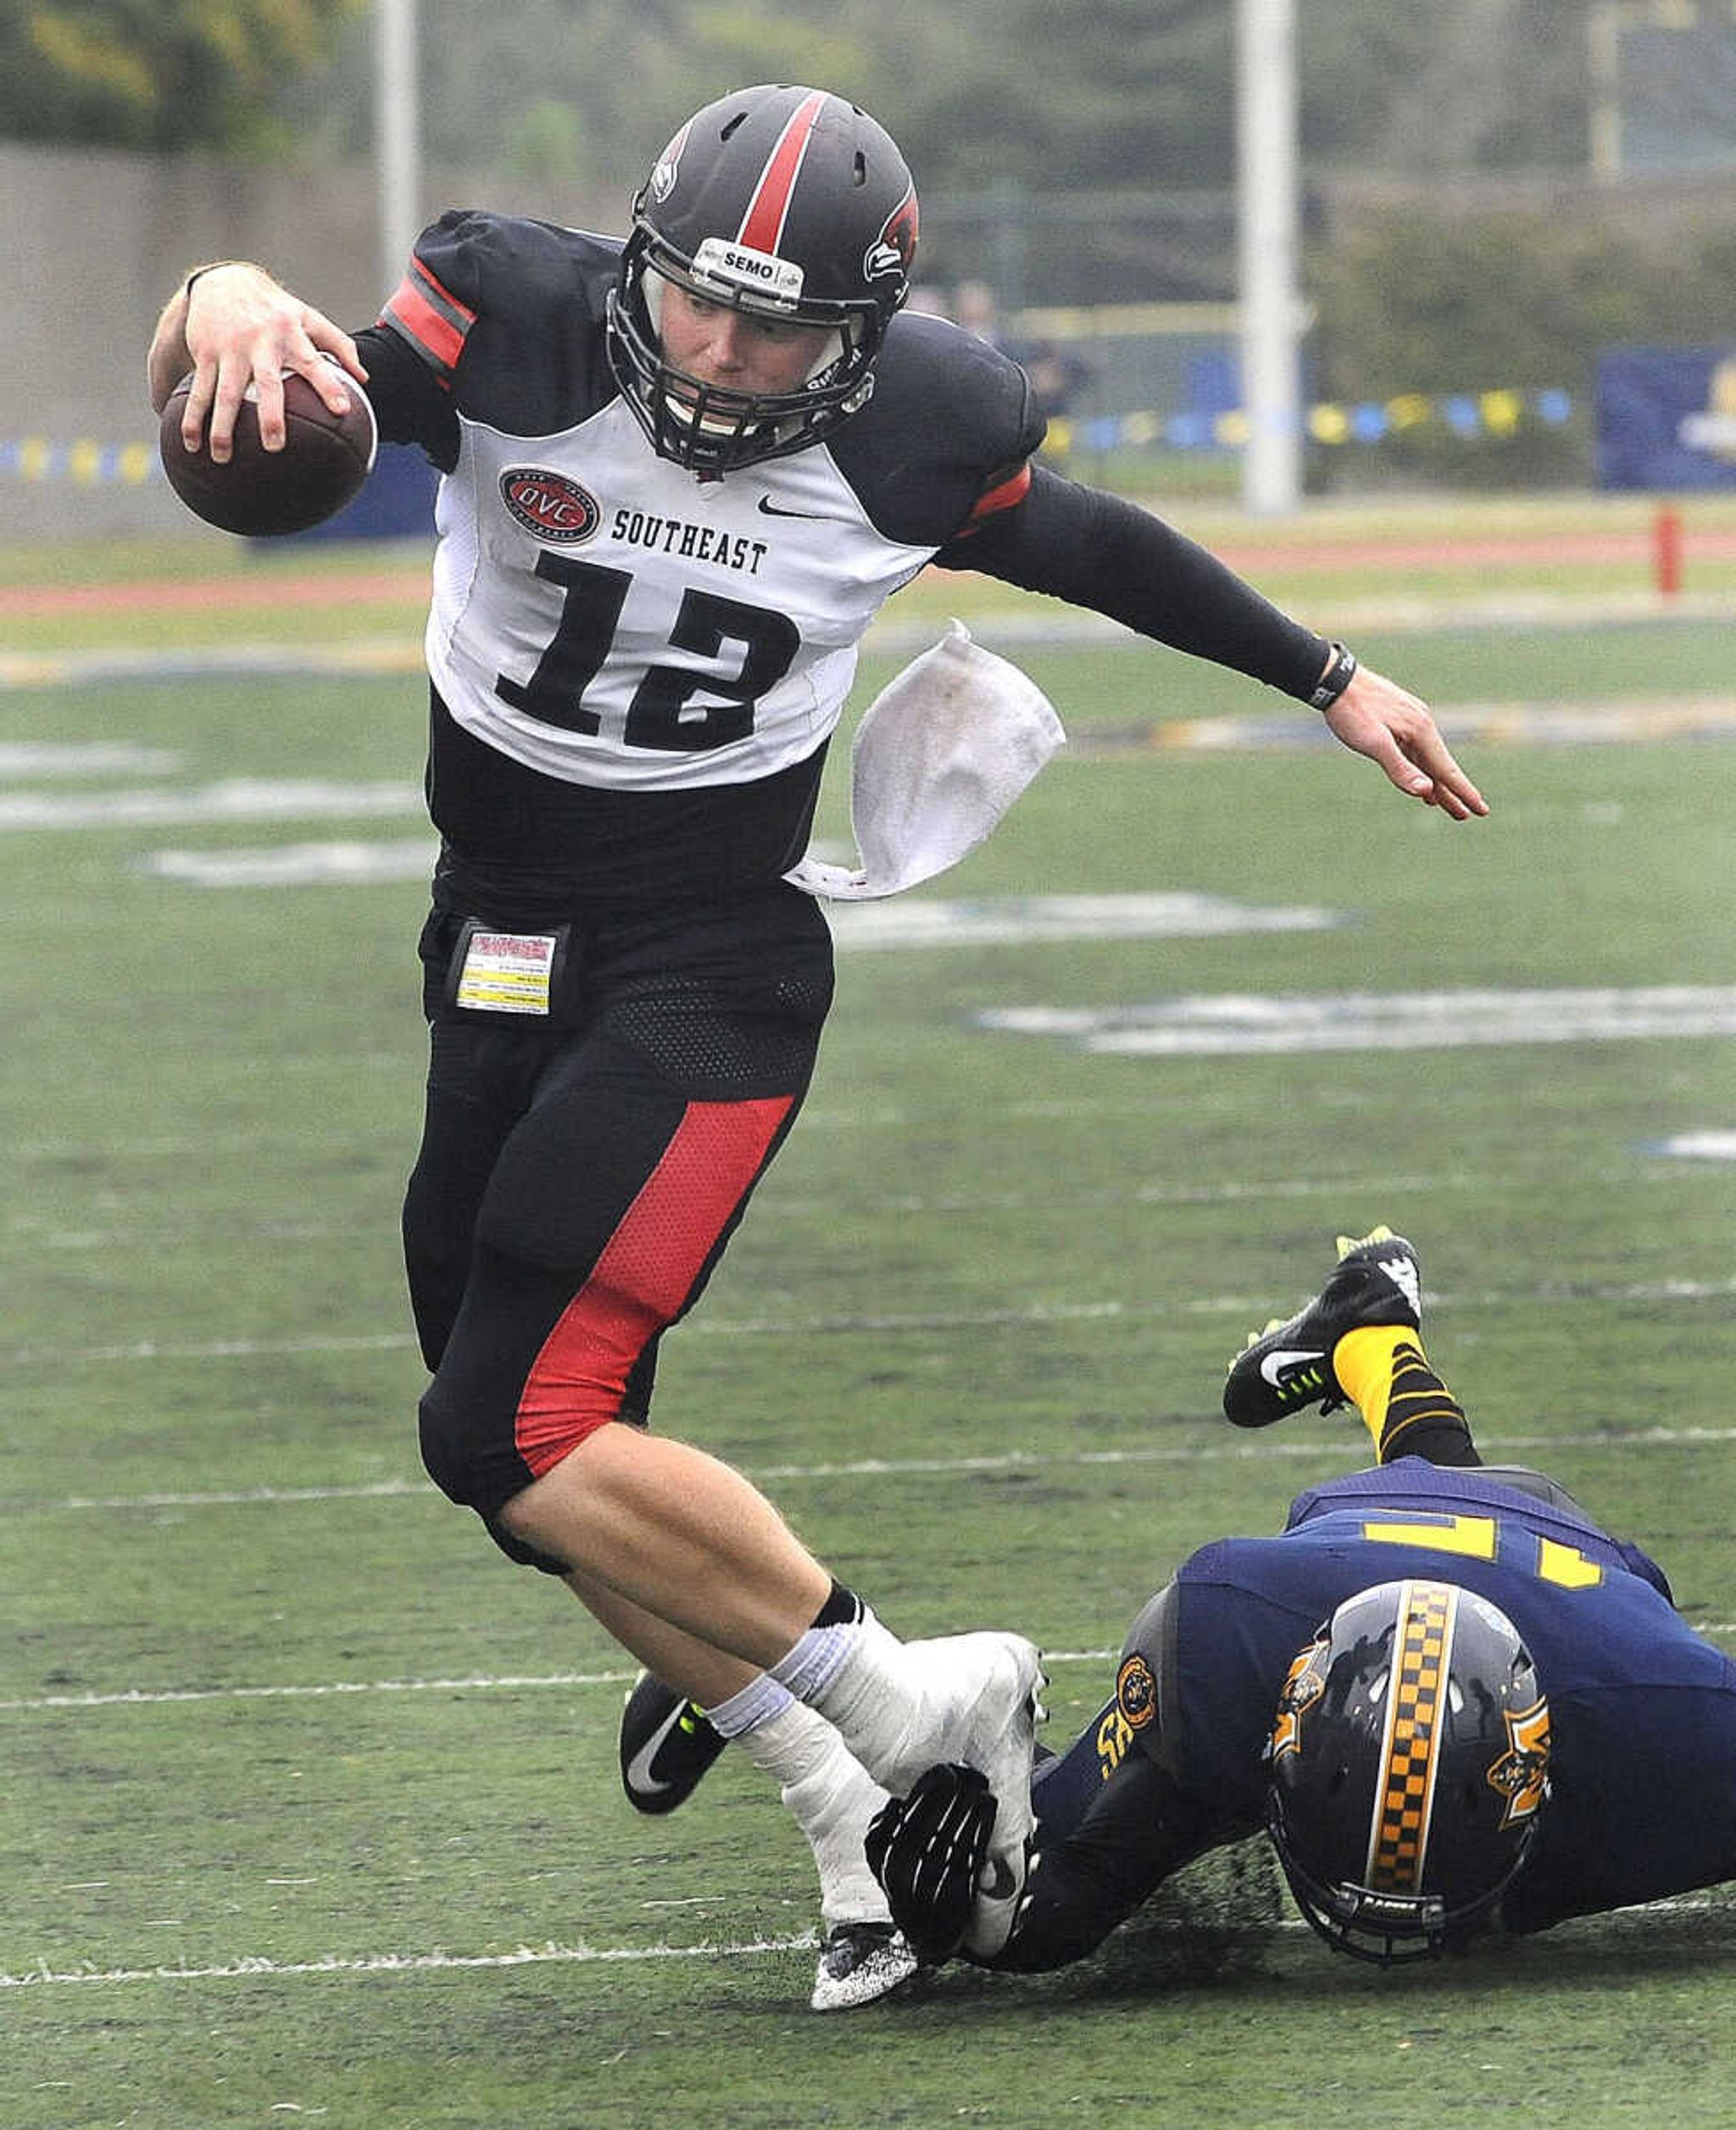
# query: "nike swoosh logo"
817,517
1281,1359
640,1779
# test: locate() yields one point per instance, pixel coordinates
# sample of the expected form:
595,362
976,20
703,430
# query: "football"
325,459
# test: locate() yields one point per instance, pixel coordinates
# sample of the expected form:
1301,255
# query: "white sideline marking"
139,1697
507,1683
297,864
87,757
910,922
1695,1146
360,657
1003,920
1387,1188
479,1682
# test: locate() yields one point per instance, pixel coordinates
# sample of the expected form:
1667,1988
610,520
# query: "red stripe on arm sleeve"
430,318
1005,495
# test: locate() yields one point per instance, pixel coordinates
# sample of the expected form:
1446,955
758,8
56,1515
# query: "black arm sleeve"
410,404
1096,550
1138,1829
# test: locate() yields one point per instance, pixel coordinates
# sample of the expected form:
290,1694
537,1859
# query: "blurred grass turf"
970,1337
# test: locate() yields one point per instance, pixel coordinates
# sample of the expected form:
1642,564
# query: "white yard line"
879,1325
252,1968
1236,1449
249,1969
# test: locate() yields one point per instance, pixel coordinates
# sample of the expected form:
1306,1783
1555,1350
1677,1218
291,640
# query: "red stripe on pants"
645,1275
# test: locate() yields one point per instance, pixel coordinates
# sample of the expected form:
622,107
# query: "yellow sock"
1383,1370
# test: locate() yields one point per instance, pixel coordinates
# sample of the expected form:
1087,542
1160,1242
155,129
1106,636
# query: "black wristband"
1335,680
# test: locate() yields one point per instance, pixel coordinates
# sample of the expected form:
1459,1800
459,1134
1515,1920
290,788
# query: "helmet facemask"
785,204
712,428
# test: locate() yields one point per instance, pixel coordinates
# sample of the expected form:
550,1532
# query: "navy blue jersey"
1642,1712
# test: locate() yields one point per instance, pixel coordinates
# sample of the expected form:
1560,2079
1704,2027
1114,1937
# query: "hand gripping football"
325,459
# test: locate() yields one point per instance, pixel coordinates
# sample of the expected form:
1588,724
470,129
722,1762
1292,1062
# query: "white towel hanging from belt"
941,754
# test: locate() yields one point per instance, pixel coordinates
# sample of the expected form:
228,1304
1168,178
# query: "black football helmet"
1409,1769
786,202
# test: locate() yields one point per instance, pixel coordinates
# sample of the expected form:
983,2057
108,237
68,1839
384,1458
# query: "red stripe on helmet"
762,225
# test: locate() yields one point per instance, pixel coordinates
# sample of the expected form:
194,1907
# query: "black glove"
926,1849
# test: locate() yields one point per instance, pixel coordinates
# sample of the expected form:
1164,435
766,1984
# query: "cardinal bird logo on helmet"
894,250
667,169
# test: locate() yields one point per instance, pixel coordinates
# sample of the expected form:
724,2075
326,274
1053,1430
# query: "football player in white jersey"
680,474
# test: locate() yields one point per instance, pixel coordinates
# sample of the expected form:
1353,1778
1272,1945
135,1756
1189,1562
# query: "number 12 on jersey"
752,648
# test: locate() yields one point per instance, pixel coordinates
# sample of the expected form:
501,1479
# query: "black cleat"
666,1746
1289,1366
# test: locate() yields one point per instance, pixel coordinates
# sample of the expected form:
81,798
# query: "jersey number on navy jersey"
663,714
1486,1538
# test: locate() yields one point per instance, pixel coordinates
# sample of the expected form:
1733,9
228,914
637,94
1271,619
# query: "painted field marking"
1029,920
252,1968
1290,1448
479,1682
38,1235
21,760
362,658
243,799
1552,723
891,1321
906,922
1695,1146
1240,1024
348,864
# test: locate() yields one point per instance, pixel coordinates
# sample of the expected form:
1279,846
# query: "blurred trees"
177,74
1065,148
1045,94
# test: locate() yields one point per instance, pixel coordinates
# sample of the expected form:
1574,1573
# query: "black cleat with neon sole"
1289,1366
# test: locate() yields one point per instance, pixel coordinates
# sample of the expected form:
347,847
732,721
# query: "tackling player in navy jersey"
1449,1697
680,474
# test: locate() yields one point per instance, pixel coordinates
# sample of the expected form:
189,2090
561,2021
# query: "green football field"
310,1812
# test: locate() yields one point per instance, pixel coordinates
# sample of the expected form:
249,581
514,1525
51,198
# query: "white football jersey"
600,616
635,671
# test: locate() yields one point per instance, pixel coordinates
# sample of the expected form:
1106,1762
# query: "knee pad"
448,1464
481,1483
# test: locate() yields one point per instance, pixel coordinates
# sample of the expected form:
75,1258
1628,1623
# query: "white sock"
809,1668
858,1677
761,1701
